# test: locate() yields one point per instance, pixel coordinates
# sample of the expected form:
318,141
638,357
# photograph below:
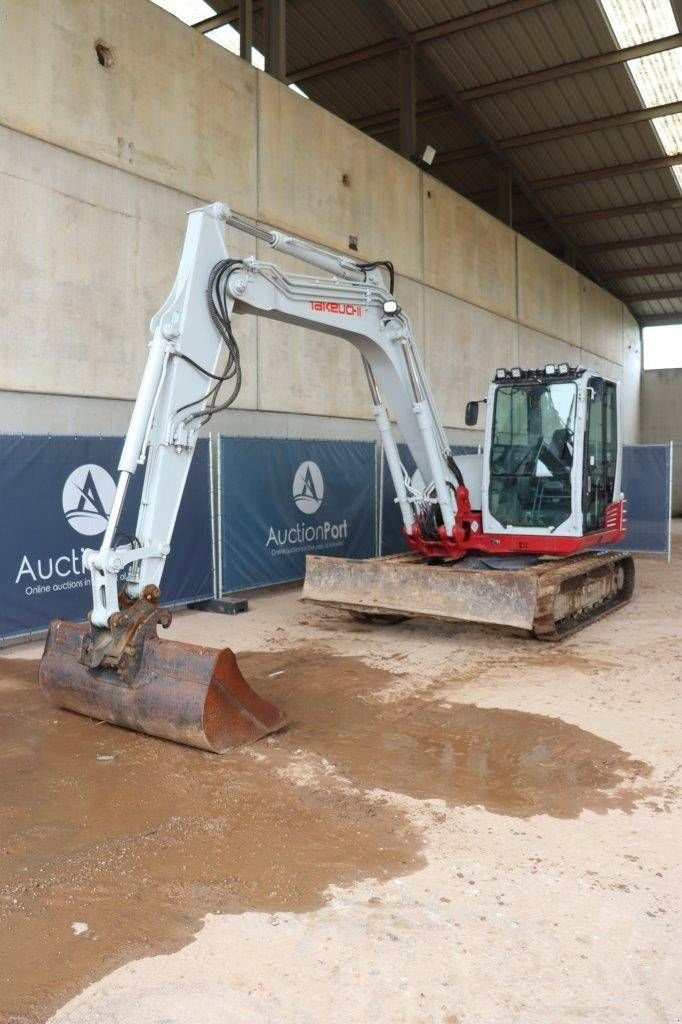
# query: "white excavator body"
543,485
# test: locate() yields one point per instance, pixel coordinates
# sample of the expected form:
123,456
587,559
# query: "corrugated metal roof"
545,35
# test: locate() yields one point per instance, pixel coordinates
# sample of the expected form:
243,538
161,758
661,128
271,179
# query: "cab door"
600,462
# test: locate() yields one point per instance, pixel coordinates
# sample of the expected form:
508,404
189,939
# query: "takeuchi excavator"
513,535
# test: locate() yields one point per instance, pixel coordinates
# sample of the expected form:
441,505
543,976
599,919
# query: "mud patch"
140,838
510,762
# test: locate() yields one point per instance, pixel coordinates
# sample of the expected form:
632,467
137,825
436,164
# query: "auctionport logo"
87,498
308,487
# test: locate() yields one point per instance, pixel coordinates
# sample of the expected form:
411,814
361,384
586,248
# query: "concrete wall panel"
632,377
464,346
548,293
662,420
601,322
661,406
89,254
467,253
536,350
304,153
174,107
100,164
604,367
304,371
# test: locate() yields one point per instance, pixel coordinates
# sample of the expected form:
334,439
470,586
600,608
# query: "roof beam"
439,83
672,293
344,60
578,128
388,120
612,212
576,67
226,17
443,28
408,103
494,13
661,320
597,173
652,206
643,242
664,268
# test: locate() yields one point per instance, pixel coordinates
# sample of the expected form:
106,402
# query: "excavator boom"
117,668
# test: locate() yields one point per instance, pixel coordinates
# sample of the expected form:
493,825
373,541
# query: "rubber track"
546,627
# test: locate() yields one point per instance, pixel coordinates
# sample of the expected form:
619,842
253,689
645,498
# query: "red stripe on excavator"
468,536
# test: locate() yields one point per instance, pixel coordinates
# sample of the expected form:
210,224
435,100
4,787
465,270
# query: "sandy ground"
458,826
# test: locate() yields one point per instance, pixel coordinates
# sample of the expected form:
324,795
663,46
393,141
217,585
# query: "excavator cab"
551,463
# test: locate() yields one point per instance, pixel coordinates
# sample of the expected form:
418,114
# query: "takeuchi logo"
87,498
308,487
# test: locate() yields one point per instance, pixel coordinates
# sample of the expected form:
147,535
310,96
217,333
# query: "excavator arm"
117,668
178,392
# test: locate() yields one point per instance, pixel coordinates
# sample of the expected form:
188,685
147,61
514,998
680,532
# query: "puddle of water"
140,847
510,762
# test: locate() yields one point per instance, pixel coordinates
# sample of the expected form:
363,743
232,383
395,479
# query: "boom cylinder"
144,405
390,448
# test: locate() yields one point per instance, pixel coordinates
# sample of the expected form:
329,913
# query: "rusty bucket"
181,692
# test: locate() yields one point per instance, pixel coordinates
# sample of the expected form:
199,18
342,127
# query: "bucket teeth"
181,692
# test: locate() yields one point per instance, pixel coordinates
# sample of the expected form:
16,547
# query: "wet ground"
138,839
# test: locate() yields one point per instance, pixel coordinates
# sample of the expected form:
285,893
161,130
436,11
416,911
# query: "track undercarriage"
551,599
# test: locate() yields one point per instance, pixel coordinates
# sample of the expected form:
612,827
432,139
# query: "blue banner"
646,483
55,498
390,528
282,499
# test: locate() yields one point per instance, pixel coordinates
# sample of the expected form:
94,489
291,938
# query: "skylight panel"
189,11
228,37
639,21
194,11
662,347
658,77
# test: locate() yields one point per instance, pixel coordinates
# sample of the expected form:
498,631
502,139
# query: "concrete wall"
99,164
662,419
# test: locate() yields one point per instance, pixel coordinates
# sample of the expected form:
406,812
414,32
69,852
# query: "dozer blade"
180,692
406,585
552,599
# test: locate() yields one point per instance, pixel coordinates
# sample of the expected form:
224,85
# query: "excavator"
545,490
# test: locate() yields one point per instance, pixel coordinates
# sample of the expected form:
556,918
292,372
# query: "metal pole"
275,35
505,208
219,507
408,103
212,513
245,29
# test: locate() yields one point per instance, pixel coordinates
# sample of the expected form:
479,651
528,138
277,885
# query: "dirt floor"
458,826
